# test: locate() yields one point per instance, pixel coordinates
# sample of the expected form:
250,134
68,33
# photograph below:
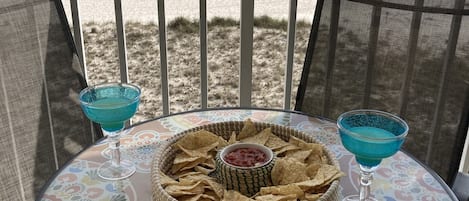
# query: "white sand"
143,59
146,10
223,59
269,61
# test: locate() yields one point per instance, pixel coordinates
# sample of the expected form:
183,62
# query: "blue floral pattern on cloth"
138,148
398,178
87,186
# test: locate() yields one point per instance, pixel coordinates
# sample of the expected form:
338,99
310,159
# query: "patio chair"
42,125
410,59
460,187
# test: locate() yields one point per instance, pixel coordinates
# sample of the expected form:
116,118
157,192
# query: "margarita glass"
111,105
371,135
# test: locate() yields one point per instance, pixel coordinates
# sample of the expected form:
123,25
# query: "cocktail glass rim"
378,112
107,84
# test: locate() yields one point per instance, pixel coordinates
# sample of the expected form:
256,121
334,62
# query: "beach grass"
183,44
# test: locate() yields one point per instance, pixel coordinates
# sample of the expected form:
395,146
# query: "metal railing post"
163,57
121,41
290,53
245,68
203,54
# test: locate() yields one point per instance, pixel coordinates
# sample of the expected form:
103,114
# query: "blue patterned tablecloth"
398,178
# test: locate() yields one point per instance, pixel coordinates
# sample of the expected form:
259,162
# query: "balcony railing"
246,50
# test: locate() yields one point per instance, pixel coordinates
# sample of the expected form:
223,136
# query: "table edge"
434,175
57,172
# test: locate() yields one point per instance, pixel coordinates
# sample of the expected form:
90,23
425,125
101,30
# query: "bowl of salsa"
246,155
244,167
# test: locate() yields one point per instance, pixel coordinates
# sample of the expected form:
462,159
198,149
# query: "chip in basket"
188,166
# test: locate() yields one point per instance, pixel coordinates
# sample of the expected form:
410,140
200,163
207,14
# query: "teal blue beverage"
371,135
367,151
110,105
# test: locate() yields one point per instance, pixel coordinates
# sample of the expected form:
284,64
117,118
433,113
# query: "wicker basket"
165,153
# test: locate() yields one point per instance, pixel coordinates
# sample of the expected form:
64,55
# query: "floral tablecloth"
398,178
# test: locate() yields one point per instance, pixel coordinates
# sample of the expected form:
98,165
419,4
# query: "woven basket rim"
330,194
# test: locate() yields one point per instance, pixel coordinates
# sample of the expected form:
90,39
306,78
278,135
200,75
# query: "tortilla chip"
317,150
222,143
216,187
184,158
325,175
317,156
186,165
190,198
311,185
197,139
282,150
199,152
178,190
271,197
210,195
312,197
300,155
182,162
232,139
183,172
165,180
201,197
248,130
231,195
209,183
297,142
288,189
188,159
186,174
209,163
287,171
260,138
312,169
203,170
275,142
328,173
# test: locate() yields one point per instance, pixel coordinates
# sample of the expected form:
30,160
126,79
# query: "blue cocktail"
371,136
111,105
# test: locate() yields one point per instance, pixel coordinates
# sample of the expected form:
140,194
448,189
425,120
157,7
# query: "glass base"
357,198
109,172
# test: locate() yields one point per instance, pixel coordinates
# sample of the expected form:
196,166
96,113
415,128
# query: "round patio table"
400,177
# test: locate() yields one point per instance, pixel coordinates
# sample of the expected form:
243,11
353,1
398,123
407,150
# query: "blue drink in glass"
110,105
371,136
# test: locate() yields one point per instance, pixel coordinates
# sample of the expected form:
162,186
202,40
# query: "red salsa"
246,157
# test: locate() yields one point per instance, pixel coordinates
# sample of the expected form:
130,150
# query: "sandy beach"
146,10
269,61
183,52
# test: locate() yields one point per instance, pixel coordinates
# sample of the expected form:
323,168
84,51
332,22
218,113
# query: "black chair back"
409,58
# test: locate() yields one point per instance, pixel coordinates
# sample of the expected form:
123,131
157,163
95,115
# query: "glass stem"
366,178
114,143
